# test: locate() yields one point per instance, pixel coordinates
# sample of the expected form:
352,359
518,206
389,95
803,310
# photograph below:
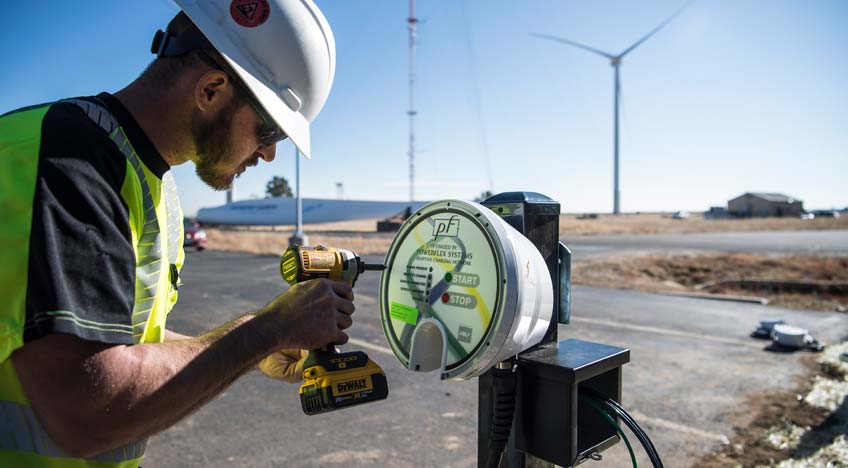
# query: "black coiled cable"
503,410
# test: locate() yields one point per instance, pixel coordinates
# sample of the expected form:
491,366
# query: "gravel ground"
829,392
801,430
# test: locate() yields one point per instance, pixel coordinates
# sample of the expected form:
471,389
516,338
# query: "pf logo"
448,227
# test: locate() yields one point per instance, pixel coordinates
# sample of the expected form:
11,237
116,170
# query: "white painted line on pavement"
639,417
371,346
666,331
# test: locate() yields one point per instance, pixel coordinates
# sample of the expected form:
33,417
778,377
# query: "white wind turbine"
615,61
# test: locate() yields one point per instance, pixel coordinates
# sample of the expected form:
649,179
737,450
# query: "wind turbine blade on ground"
575,44
655,30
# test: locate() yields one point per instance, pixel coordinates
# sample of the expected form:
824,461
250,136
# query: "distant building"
764,204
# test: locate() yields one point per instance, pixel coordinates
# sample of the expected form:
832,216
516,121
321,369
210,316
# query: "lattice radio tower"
413,21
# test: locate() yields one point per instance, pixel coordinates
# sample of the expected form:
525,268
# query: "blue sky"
733,96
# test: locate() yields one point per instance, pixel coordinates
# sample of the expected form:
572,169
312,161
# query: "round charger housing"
462,291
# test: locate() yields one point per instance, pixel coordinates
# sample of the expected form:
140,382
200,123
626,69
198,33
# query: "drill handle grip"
319,356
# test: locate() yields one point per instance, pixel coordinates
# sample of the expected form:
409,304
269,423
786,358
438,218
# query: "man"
91,243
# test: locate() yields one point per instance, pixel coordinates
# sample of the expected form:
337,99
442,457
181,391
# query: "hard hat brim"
293,123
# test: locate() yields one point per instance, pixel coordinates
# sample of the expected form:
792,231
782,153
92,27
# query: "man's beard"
214,147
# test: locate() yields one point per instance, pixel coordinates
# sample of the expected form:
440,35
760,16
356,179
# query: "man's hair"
164,71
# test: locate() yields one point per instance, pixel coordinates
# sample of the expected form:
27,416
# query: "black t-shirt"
82,268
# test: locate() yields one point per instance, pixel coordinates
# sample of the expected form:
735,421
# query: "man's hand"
312,314
315,313
285,365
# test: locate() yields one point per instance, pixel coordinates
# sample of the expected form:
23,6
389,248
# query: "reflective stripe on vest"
149,263
21,431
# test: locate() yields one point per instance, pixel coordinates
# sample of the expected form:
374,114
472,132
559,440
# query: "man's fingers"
342,290
344,321
341,338
346,307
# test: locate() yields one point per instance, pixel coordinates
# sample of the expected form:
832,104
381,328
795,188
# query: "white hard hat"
283,50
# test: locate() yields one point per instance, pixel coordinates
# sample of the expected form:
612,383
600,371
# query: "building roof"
771,197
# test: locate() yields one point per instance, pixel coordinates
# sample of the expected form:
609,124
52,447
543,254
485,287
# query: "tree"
278,187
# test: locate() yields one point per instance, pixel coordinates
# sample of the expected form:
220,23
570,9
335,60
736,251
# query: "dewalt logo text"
351,386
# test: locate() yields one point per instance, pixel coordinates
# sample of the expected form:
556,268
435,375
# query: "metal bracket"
564,284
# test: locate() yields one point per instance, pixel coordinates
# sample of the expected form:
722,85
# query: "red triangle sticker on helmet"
249,13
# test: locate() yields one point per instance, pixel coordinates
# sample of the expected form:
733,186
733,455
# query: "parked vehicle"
717,212
825,213
194,235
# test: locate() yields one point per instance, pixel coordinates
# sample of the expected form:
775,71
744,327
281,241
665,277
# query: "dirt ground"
810,283
266,242
664,224
360,235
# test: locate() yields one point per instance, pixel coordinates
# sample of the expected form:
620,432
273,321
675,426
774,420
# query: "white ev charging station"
478,290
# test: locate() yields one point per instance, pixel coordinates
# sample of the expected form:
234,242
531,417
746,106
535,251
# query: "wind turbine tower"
615,61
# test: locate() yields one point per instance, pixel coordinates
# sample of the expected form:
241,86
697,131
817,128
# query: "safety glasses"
267,132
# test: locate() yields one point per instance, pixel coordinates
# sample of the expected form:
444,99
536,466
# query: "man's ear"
212,91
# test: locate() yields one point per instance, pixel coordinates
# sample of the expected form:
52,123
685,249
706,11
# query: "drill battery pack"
337,380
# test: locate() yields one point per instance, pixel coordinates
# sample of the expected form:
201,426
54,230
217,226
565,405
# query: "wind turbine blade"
574,44
655,30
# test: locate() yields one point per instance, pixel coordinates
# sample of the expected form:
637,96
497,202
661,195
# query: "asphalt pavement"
692,369
826,243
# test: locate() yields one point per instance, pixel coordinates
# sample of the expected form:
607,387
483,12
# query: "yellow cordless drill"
333,380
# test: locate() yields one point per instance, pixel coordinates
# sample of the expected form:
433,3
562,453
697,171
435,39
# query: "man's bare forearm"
171,335
124,393
131,392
